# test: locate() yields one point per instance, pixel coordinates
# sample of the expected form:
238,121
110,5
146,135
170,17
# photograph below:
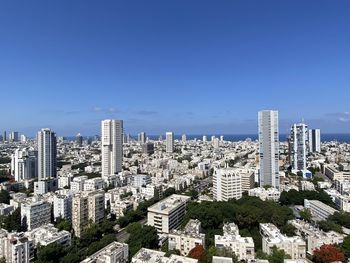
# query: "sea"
327,137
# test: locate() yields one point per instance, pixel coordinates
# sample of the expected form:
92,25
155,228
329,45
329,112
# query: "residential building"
47,160
269,194
142,137
62,206
35,214
269,148
154,256
242,247
315,237
48,234
299,146
87,207
169,142
16,247
315,140
113,253
112,147
271,236
187,239
168,213
24,164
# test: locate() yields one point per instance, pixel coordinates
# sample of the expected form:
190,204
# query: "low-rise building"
113,253
315,237
154,256
242,247
48,234
270,194
187,239
271,236
319,210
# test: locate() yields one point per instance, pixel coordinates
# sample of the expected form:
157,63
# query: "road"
203,184
122,235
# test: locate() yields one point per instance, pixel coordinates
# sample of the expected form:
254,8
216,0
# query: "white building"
319,210
169,142
299,145
270,194
242,247
62,206
112,147
168,213
113,253
187,239
36,214
269,148
226,184
24,164
140,180
93,184
15,247
77,185
48,234
142,137
47,151
315,140
271,236
153,256
315,237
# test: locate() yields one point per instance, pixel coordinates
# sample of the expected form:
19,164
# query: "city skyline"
187,67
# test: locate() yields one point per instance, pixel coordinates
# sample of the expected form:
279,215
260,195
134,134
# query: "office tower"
184,138
24,164
315,140
112,147
204,138
142,137
79,139
222,138
269,148
4,137
23,138
216,143
169,142
212,138
13,137
148,148
227,184
298,146
47,154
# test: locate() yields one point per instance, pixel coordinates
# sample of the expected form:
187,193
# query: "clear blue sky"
191,66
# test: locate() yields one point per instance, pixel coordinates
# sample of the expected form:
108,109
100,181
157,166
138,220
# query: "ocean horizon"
339,137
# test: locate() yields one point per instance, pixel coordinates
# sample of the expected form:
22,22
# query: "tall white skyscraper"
299,140
269,148
169,142
315,140
142,137
47,154
112,147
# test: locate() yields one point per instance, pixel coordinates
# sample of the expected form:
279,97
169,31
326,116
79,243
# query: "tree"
198,252
327,254
288,230
276,256
346,245
63,224
50,254
306,215
144,237
328,225
4,197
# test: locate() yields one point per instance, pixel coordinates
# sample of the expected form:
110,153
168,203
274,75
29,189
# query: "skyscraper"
47,154
315,140
299,140
169,142
79,139
24,164
4,137
142,137
112,147
269,148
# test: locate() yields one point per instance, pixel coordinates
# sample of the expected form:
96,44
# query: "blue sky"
188,66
